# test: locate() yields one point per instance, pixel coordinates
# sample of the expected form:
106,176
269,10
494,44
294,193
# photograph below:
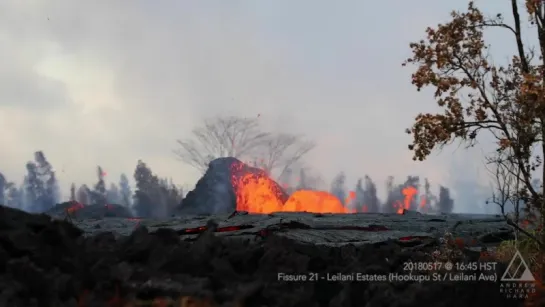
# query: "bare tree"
280,152
507,188
242,138
221,137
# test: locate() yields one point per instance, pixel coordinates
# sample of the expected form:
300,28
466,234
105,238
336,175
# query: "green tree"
73,192
370,195
98,195
338,187
125,190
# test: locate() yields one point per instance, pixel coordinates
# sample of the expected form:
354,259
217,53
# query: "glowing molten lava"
315,201
256,192
409,194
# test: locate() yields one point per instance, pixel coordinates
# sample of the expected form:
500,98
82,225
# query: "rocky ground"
233,260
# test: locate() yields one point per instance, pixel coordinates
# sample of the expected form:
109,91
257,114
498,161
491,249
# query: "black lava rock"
215,193
50,263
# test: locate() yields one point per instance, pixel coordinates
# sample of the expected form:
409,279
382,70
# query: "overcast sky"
108,82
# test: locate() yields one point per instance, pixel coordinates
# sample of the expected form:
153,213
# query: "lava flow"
256,192
314,201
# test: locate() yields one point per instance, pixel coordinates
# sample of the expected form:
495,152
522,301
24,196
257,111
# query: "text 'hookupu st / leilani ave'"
391,277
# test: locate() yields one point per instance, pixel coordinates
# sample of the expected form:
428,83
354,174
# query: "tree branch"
518,35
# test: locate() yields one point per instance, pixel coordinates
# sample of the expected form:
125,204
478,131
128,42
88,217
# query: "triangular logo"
517,270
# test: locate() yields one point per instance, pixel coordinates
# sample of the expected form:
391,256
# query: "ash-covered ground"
236,259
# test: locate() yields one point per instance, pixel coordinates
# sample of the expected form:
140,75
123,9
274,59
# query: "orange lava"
257,193
74,207
314,201
409,194
351,197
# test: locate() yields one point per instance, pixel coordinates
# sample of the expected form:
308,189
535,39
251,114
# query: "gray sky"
108,82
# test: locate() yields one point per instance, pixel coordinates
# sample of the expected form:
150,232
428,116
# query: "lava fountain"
256,192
